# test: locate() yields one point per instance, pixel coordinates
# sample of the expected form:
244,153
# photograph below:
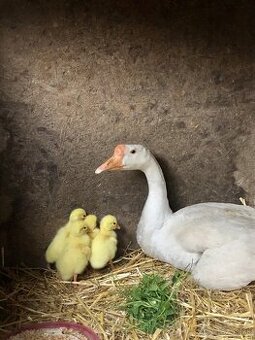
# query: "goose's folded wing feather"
209,225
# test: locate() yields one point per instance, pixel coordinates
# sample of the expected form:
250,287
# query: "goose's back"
207,225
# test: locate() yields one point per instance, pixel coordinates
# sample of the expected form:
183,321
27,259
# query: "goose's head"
126,157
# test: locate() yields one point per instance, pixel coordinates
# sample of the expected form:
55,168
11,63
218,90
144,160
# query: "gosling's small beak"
117,226
115,162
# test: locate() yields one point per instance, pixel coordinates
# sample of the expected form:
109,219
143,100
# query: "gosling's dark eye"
133,151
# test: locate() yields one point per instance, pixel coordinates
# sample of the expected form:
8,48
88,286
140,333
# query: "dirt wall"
78,77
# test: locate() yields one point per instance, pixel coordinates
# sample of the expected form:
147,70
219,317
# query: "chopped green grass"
153,302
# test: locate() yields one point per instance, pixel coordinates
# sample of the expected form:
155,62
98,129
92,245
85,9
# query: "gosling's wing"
57,245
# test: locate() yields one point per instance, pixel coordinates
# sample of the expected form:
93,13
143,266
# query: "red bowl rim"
58,324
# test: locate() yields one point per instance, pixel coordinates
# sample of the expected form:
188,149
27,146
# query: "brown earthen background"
78,77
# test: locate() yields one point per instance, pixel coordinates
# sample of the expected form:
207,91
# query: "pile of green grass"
153,302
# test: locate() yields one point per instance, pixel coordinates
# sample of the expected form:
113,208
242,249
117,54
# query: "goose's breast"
164,247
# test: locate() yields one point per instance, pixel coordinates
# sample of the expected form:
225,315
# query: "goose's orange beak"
115,162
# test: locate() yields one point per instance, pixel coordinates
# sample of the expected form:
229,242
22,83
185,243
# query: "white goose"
215,241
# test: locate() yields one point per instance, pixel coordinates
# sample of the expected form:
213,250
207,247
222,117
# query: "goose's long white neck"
156,208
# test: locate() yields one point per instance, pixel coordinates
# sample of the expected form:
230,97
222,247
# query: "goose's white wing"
209,225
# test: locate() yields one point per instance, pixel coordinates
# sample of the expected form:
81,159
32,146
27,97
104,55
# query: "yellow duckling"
76,252
57,244
91,222
104,245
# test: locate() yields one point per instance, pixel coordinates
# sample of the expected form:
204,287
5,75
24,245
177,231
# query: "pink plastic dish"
86,331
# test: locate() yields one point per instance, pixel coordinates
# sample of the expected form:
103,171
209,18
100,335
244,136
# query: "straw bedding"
28,295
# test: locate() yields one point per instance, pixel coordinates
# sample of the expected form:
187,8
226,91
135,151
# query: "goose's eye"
133,151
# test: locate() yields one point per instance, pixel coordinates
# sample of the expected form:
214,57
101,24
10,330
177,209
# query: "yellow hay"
34,295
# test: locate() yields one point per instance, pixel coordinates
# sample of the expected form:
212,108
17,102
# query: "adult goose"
215,241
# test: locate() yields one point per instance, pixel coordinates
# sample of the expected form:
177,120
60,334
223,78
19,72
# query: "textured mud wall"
78,77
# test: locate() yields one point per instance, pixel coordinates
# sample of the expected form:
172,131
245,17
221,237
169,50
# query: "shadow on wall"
245,166
79,77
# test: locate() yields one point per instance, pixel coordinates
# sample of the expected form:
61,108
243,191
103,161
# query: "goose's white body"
215,241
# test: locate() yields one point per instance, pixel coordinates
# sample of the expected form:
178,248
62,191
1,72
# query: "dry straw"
30,295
